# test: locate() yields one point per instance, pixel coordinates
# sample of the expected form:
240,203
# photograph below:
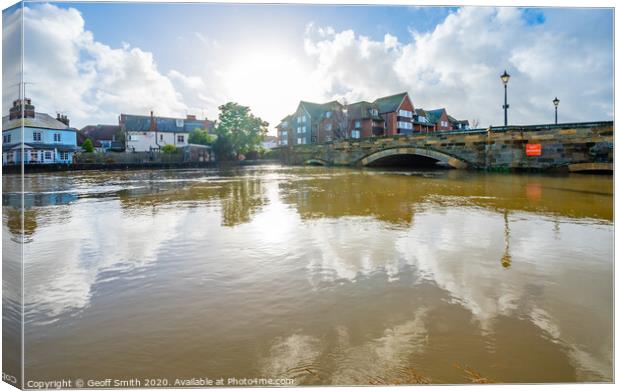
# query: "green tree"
87,146
202,137
238,131
169,148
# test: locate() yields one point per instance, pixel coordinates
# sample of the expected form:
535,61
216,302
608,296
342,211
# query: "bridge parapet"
496,147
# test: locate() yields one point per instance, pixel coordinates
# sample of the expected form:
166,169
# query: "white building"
148,133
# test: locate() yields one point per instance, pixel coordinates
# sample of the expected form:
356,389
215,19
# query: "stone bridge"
574,147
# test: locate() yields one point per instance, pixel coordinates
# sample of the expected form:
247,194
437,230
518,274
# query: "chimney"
62,118
153,127
18,106
191,117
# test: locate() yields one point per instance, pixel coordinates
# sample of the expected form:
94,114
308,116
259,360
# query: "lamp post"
505,77
556,102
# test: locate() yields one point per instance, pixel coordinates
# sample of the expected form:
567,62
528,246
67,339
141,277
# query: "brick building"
364,120
439,118
391,115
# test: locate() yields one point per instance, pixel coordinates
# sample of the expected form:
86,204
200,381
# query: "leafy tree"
202,137
238,131
87,146
169,148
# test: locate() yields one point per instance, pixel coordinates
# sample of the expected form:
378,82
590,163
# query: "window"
48,155
56,137
358,124
36,136
405,113
283,142
34,156
300,140
303,129
180,138
284,134
355,134
405,125
328,114
64,156
328,127
373,112
303,118
284,124
6,139
161,137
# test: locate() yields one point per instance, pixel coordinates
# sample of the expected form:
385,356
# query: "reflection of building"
390,115
38,136
145,133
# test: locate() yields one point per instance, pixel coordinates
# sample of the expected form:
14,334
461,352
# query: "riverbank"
41,168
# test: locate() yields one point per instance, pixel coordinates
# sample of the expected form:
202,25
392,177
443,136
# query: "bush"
169,148
87,146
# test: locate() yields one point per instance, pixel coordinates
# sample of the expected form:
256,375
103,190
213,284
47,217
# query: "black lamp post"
505,77
556,102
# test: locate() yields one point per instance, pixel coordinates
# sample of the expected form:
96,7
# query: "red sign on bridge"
533,149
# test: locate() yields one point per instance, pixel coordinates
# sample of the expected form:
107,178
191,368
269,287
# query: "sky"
93,61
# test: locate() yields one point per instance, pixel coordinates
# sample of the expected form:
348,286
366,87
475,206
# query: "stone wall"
495,148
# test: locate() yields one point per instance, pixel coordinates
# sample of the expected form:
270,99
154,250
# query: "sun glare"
260,73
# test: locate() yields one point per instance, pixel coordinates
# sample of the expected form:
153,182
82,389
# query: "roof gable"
362,110
390,103
435,115
318,110
100,132
40,120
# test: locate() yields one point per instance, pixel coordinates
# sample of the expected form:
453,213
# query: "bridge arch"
423,152
591,167
315,162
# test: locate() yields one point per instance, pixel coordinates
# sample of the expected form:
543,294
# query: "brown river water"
321,275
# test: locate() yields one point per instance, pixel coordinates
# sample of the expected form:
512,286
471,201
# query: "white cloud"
72,72
457,66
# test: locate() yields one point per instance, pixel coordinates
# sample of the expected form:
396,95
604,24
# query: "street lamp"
505,77
556,102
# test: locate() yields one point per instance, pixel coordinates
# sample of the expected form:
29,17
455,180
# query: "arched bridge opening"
411,157
592,168
315,162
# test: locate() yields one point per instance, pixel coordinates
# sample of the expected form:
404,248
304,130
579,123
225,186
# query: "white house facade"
149,133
